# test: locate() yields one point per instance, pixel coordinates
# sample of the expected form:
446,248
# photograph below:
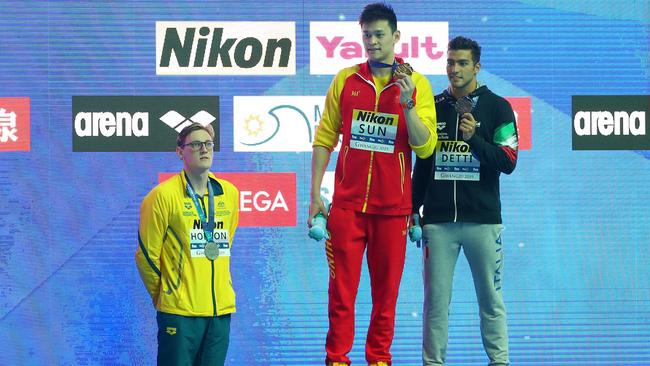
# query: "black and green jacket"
457,193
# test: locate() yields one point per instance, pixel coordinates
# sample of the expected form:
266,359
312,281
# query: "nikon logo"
454,147
610,122
225,48
138,123
374,117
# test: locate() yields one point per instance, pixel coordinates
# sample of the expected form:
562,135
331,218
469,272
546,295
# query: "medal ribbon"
208,227
378,64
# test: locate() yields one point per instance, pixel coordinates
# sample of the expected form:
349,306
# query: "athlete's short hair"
463,43
379,11
180,140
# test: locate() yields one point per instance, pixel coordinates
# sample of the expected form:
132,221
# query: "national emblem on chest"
222,208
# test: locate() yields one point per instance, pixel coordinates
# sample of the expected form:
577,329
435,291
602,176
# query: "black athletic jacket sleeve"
501,153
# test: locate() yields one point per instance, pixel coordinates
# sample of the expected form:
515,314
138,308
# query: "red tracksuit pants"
385,238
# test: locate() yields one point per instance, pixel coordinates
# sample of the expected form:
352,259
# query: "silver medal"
211,250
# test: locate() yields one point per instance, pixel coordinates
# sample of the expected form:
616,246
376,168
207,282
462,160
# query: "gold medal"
404,69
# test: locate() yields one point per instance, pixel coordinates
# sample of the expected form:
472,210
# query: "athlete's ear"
396,36
179,152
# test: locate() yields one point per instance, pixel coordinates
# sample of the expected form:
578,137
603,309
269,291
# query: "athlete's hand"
315,207
467,126
402,75
406,86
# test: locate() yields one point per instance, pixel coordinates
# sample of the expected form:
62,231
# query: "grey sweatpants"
481,244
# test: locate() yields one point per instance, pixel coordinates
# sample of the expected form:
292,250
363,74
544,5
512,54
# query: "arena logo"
335,45
604,123
109,124
14,124
138,123
276,123
265,199
610,122
178,122
225,48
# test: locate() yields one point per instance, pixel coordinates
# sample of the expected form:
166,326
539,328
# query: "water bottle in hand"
318,229
415,231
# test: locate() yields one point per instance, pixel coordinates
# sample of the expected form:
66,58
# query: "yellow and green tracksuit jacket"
170,259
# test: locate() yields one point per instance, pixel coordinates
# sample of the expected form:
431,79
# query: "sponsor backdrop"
91,97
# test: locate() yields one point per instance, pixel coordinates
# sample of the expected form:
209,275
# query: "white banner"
335,45
225,48
276,123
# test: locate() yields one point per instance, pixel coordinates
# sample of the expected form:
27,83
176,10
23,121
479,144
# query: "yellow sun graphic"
253,125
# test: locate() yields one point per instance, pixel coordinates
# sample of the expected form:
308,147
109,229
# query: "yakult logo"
265,199
335,45
225,48
610,122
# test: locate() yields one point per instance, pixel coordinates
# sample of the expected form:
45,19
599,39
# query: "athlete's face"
461,70
195,159
379,41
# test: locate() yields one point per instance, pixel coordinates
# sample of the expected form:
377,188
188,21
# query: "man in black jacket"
459,187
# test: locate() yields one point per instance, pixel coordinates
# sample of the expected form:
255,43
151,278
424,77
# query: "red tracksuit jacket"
373,171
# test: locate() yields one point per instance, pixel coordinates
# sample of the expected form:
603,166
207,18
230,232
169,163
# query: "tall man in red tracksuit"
383,112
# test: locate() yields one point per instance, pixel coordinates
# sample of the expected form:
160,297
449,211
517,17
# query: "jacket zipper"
402,170
372,153
345,160
455,187
214,296
365,200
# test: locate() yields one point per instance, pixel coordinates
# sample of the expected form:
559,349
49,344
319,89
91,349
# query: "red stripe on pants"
385,238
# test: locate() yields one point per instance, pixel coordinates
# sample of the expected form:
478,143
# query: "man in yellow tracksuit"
187,224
